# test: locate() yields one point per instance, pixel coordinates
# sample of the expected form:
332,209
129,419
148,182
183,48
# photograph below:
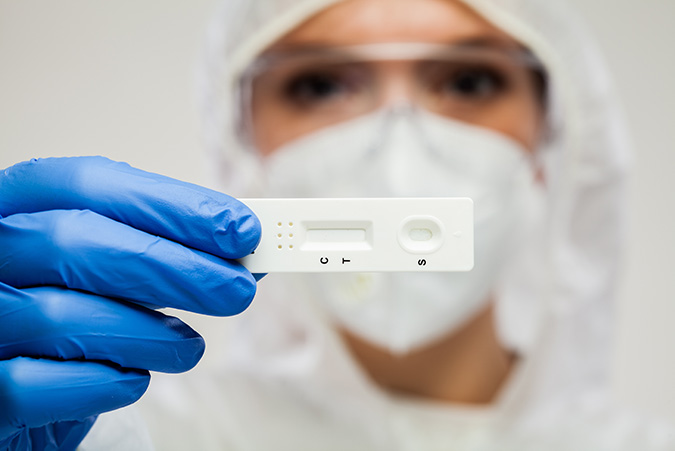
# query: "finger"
35,392
64,324
83,250
195,216
63,435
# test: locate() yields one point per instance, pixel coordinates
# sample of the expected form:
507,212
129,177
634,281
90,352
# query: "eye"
324,86
312,87
316,89
474,83
464,82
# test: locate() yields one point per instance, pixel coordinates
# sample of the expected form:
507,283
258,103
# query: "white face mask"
412,153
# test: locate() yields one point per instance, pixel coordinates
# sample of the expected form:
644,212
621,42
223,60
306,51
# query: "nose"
396,84
401,148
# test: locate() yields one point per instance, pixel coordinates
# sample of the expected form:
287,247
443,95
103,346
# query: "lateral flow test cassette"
362,234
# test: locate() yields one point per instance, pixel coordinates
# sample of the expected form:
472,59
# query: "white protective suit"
284,381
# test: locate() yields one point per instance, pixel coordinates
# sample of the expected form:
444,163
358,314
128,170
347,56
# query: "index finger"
197,217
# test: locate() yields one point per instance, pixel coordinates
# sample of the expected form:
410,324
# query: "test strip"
362,234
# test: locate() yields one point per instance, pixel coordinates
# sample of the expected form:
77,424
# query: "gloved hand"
86,245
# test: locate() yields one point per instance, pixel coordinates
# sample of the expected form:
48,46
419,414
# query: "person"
503,101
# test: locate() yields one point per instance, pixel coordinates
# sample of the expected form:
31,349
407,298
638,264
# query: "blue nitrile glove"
85,244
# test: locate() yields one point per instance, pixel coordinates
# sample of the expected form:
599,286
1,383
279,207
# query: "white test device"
362,234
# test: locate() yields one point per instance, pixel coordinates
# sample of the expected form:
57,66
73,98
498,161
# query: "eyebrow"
490,42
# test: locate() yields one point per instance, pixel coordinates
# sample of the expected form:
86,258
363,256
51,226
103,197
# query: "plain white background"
79,77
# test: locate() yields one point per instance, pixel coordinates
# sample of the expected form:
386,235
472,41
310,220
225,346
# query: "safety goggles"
311,88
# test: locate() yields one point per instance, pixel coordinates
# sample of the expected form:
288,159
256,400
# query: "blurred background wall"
82,77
